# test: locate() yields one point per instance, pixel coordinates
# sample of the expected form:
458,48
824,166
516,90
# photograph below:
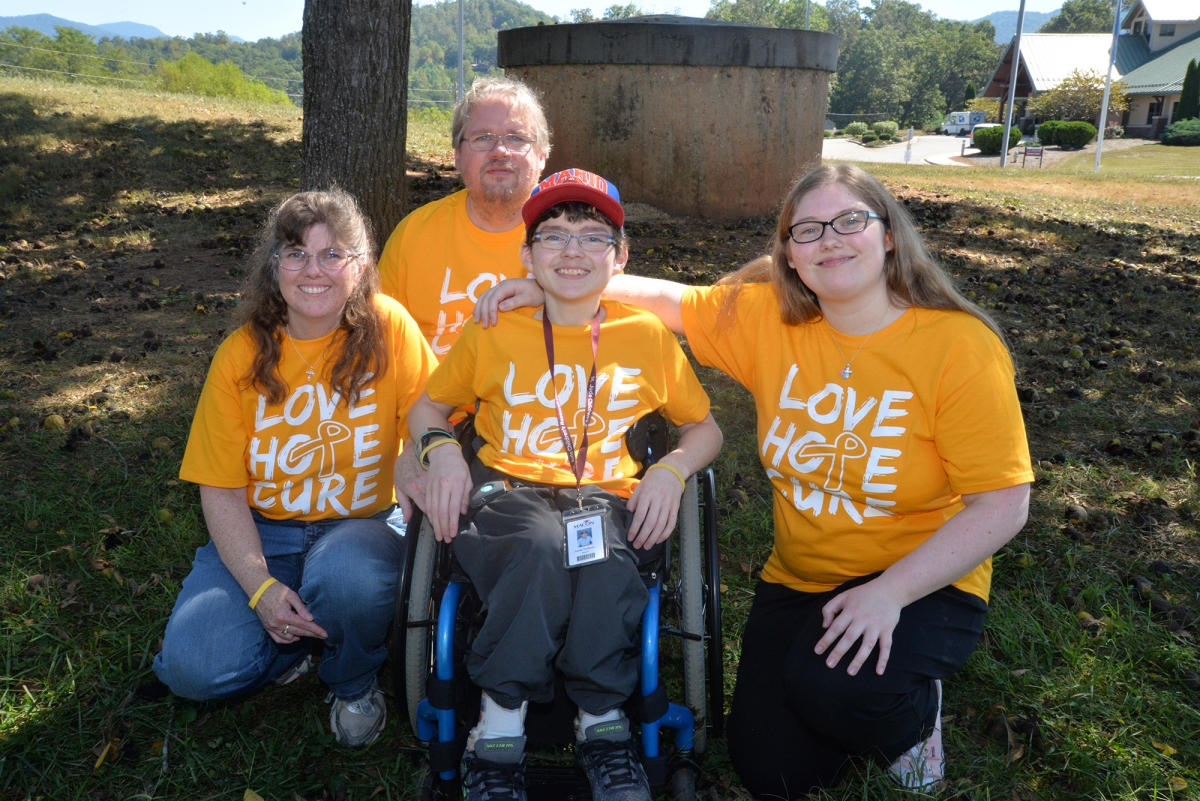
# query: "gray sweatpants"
542,616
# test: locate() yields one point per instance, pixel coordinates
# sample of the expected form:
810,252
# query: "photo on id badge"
584,536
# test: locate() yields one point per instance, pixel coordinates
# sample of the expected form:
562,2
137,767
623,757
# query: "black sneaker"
495,770
611,763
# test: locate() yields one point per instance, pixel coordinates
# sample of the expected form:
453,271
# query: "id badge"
585,543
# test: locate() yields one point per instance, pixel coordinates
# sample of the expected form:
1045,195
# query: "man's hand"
867,612
447,491
514,293
655,505
284,615
409,479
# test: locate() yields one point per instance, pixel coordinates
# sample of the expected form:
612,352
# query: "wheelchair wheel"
417,657
682,786
691,601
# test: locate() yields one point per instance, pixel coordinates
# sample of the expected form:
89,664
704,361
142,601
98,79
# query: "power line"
76,74
127,61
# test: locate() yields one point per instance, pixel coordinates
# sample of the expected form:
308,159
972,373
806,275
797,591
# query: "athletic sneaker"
358,723
294,672
608,758
495,770
923,766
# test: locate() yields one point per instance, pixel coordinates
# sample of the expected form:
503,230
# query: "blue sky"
254,19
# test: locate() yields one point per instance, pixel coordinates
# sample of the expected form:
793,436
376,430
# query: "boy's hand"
655,505
447,491
514,293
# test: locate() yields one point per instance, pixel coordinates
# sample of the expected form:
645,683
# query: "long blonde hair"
913,277
264,312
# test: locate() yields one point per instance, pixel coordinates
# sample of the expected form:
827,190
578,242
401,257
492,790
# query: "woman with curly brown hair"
890,433
294,444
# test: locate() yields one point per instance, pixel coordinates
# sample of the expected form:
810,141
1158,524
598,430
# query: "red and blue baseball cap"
574,184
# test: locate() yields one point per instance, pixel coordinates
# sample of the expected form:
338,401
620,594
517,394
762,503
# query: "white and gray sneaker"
608,757
294,672
358,723
923,766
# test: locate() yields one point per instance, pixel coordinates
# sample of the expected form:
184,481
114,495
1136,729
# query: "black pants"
542,616
795,721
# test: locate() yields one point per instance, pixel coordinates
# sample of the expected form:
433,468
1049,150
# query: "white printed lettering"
562,394
302,459
518,435
781,443
617,426
331,487
886,412
361,444
357,501
875,469
261,421
515,398
610,469
619,386
785,399
326,404
302,503
855,416
357,411
447,296
289,413
827,417
259,500
266,459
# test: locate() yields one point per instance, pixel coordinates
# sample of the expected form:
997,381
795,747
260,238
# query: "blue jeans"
346,573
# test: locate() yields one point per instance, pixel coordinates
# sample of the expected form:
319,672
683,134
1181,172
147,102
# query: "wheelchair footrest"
556,783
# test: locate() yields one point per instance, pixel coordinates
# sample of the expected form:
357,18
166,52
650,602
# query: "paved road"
937,149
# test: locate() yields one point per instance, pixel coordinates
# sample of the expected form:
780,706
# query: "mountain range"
46,23
1005,23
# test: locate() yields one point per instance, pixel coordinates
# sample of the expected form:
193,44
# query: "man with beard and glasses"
447,253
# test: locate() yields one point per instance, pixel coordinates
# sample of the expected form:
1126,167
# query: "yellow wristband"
424,457
675,470
261,589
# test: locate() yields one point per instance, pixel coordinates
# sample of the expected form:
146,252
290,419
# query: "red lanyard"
577,462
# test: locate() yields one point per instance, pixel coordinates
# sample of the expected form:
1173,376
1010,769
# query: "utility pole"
1012,85
807,5
1112,59
461,56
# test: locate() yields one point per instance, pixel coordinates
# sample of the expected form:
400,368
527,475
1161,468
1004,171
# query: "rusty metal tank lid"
668,40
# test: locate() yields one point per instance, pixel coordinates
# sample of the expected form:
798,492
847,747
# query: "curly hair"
913,277
361,352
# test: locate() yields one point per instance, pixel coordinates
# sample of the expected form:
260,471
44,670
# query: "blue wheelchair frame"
434,723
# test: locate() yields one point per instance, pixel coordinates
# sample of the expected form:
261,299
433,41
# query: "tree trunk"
356,103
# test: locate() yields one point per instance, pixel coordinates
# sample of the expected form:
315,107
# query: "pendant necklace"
311,370
846,372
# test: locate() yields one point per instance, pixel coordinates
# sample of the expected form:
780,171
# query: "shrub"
884,136
1184,132
988,140
889,128
196,75
828,134
856,129
1113,131
1047,132
869,137
1075,134
839,132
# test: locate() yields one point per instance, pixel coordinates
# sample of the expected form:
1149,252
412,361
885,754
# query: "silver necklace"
846,372
311,370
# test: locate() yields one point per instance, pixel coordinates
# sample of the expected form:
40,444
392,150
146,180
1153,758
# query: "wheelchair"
438,613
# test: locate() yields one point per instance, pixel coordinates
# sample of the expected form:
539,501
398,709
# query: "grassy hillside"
125,218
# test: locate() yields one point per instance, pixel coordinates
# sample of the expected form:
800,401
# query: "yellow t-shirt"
313,456
865,469
640,368
437,263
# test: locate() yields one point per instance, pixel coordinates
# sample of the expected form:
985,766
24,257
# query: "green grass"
1108,264
1146,162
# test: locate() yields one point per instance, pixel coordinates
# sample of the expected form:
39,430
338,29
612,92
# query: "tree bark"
356,103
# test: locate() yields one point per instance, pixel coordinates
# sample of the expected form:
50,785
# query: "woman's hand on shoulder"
447,491
280,609
868,612
655,505
513,293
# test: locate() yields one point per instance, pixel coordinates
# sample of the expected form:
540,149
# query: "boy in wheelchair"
548,519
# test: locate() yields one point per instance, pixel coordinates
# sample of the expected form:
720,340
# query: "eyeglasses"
513,143
852,222
331,260
559,240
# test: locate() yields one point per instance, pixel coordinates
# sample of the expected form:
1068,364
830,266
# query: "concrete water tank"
697,117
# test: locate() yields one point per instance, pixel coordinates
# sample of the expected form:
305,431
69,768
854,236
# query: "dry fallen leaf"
250,795
1163,748
1177,784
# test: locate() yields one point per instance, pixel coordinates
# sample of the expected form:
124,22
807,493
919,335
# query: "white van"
961,122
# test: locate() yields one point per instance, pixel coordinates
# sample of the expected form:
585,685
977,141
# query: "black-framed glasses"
331,259
559,240
852,222
513,143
